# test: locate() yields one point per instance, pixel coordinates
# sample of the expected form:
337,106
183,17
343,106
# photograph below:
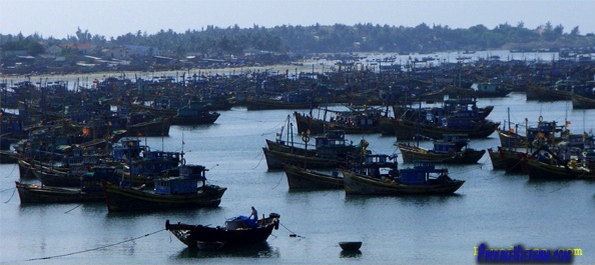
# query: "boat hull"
209,118
315,126
362,185
201,237
120,199
407,130
581,102
158,127
497,160
412,153
304,179
276,160
544,171
29,193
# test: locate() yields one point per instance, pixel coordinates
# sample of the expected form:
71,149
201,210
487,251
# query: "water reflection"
260,250
420,200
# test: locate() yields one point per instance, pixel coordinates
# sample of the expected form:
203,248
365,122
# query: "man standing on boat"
254,214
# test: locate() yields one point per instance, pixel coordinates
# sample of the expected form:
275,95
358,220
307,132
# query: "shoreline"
298,67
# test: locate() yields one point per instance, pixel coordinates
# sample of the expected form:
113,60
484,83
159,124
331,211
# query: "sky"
112,18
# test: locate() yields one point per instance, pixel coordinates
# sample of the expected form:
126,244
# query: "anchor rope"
92,249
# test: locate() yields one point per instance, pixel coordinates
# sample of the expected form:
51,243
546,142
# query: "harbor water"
498,209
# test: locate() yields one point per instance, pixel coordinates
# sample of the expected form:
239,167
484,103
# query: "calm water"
491,207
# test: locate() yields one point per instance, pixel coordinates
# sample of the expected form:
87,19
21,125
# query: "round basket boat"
350,245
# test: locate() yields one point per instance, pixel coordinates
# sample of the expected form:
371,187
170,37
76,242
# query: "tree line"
318,38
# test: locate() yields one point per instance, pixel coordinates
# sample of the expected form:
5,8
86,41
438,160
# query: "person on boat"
254,214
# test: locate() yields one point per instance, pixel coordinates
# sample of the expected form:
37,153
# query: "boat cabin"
378,166
420,174
127,149
91,181
185,182
331,138
445,147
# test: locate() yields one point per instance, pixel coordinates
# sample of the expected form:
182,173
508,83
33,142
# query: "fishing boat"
276,160
194,113
33,193
460,116
331,150
177,188
379,176
535,136
154,127
237,231
407,129
544,93
497,160
298,99
447,151
356,120
299,178
510,160
89,190
490,89
547,165
582,102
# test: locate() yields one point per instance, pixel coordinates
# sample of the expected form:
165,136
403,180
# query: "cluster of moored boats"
83,146
545,150
450,128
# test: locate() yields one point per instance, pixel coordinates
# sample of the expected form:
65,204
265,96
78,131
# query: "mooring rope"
12,171
7,189
13,192
93,249
279,182
292,233
259,161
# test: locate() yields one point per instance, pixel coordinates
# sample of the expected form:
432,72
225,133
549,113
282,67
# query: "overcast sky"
111,18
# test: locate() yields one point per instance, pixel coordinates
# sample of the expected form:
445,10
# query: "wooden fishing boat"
276,160
194,113
541,93
443,151
535,136
582,102
354,121
25,169
295,99
570,171
423,179
411,153
253,103
32,193
155,127
456,116
497,160
514,161
178,188
553,169
89,189
306,179
291,147
331,151
237,231
204,117
407,130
